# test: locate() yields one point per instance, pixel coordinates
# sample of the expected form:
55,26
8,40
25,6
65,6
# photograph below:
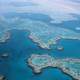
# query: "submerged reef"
42,33
69,66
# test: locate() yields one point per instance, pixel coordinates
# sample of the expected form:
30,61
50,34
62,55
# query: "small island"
44,36
2,77
60,48
69,66
5,37
4,55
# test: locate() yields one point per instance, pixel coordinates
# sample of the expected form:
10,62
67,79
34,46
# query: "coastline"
43,68
37,68
5,37
47,45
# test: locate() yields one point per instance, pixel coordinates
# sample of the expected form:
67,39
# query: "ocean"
20,47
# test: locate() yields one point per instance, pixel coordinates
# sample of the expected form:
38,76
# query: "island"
2,77
40,32
69,66
4,37
4,55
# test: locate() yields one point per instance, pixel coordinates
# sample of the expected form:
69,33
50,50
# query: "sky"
57,10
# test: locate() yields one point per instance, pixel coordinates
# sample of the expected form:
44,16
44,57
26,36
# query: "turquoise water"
71,49
19,48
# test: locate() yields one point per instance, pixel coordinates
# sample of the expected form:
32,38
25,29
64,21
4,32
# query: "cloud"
58,10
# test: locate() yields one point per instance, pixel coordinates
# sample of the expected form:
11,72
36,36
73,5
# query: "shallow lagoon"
20,47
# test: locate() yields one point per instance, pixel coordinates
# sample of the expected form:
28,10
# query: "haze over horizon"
58,10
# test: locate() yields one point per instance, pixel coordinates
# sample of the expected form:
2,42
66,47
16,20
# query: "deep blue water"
71,49
20,47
